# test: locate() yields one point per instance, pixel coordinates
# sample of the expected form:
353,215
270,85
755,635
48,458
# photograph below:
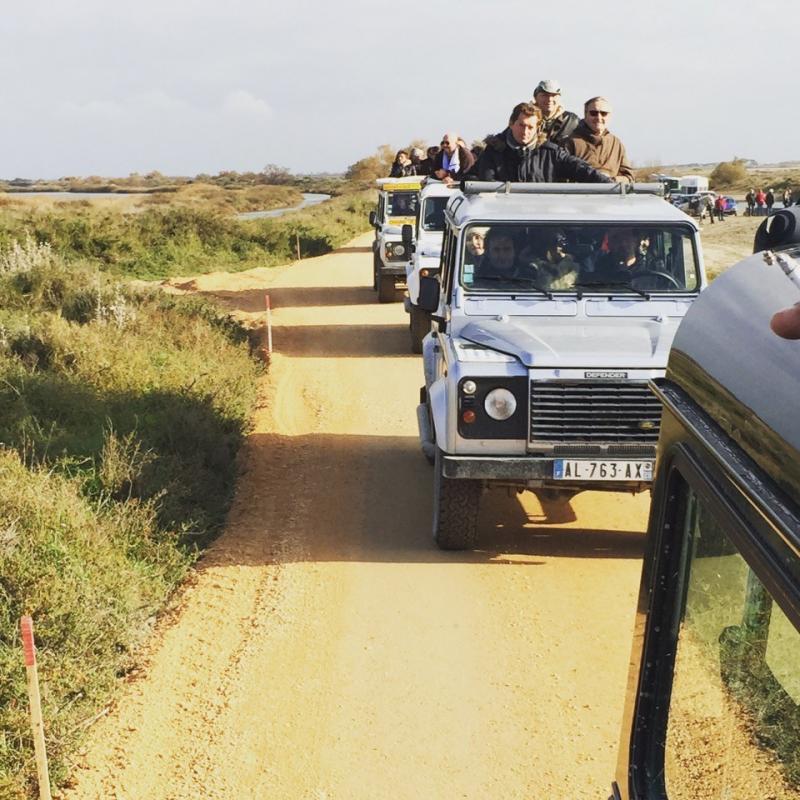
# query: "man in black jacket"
512,155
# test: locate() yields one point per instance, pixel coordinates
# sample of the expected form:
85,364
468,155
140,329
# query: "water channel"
309,199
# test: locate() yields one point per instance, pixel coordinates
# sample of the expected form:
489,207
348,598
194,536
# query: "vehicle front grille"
593,413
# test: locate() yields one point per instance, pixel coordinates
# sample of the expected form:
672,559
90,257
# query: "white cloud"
243,102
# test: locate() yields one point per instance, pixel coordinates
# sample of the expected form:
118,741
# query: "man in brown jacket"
595,144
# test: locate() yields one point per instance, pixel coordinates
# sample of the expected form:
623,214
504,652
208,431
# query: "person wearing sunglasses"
515,155
595,144
453,160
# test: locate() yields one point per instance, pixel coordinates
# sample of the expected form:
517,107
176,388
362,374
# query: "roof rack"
501,187
412,182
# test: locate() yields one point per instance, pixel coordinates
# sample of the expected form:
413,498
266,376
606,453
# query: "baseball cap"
548,85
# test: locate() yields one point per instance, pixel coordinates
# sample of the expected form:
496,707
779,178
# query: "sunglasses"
596,113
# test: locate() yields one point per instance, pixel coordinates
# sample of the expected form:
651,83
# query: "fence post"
37,725
297,241
269,325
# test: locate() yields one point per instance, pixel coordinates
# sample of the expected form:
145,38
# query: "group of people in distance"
760,203
541,143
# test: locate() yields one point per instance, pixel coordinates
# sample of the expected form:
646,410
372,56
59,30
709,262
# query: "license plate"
571,470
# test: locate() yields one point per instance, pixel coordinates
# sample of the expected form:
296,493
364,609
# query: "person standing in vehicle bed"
513,155
595,144
426,166
556,125
401,168
453,160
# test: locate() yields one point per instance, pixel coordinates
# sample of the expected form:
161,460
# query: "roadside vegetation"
190,231
121,414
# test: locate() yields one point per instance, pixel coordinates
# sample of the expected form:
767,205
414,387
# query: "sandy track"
325,649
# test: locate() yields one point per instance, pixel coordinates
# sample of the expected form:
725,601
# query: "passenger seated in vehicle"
475,246
500,263
621,257
629,260
556,269
402,206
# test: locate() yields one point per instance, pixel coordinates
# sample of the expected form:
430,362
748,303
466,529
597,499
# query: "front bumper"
395,270
533,471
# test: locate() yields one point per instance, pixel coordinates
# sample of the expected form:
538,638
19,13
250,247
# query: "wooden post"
297,241
269,325
29,651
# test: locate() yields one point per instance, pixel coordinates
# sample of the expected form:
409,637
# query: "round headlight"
500,404
399,250
469,387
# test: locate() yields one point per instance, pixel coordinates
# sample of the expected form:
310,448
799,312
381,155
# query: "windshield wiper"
516,280
613,285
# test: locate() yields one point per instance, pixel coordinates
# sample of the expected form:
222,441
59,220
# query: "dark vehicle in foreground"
713,702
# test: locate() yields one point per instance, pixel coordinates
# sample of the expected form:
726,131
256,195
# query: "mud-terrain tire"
420,326
386,290
455,510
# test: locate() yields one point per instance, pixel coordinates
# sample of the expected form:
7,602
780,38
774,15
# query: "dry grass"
726,243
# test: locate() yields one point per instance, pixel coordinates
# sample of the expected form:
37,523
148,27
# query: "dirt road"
325,649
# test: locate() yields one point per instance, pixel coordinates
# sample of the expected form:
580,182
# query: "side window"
688,260
733,727
452,261
444,259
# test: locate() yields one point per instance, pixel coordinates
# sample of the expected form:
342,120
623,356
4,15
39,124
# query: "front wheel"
386,288
455,509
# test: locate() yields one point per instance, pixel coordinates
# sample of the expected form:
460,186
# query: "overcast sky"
94,87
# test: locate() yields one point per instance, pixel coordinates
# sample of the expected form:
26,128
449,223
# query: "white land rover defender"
425,242
397,206
537,367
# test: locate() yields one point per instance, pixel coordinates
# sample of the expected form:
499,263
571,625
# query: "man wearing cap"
513,155
595,144
556,125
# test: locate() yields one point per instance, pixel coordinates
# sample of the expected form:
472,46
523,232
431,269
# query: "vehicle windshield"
401,204
433,213
638,259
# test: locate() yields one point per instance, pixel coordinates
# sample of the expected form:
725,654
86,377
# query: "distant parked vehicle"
730,205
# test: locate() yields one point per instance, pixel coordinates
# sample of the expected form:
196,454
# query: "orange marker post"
29,651
269,325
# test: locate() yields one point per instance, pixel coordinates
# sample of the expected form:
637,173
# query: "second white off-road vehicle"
425,241
397,206
537,368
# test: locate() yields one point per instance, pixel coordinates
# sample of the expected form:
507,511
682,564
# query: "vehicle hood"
574,342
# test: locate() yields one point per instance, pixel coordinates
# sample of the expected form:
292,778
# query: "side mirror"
373,218
407,232
429,290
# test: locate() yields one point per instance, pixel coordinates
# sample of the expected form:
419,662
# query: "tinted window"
592,258
734,721
401,204
433,213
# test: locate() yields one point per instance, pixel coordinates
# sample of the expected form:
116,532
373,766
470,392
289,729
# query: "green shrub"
174,240
91,577
121,414
727,173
